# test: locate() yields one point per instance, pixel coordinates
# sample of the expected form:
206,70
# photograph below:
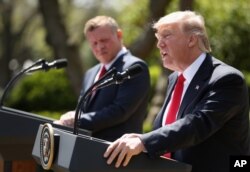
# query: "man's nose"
160,43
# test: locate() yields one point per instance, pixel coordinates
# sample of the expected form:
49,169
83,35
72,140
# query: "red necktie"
175,104
102,72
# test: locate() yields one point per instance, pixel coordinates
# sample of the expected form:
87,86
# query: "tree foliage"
29,30
228,28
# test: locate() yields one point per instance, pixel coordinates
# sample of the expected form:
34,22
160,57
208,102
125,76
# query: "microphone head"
134,70
60,63
128,73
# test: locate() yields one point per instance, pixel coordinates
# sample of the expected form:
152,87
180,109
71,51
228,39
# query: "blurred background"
53,29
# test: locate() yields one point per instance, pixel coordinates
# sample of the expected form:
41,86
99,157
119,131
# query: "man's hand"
124,148
66,119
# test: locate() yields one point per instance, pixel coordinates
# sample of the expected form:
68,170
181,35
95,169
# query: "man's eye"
104,40
163,36
166,36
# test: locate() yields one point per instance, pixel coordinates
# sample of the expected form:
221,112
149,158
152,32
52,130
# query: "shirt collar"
122,51
193,68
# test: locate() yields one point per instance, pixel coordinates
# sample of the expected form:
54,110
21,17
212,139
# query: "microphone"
82,103
57,64
43,65
118,78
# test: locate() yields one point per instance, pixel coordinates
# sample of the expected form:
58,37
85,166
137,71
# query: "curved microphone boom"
57,64
40,64
82,101
119,78
116,78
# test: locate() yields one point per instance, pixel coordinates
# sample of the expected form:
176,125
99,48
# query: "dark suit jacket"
213,120
117,109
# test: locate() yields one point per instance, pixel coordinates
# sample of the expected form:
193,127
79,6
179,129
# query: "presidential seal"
47,145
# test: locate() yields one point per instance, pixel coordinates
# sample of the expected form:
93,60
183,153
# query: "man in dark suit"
117,109
212,119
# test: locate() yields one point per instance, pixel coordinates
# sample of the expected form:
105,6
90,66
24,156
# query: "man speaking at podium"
205,116
117,109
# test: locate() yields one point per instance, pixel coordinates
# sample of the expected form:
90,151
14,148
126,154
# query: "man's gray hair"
191,23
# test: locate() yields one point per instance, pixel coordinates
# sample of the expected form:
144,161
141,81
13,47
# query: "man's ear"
193,40
119,33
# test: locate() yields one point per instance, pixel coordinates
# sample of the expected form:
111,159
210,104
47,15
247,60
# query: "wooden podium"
18,130
17,135
79,153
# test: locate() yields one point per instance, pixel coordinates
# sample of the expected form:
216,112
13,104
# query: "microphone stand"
14,79
82,101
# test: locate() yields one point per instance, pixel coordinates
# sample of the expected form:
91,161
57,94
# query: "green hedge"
43,91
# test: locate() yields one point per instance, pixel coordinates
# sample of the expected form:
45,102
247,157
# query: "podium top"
78,153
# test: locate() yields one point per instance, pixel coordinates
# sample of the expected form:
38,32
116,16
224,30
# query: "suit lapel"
91,77
171,83
198,83
118,64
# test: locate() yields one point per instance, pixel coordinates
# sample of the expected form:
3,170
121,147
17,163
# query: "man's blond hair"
98,21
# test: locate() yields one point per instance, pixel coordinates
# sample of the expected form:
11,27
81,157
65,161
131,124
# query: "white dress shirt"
188,75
